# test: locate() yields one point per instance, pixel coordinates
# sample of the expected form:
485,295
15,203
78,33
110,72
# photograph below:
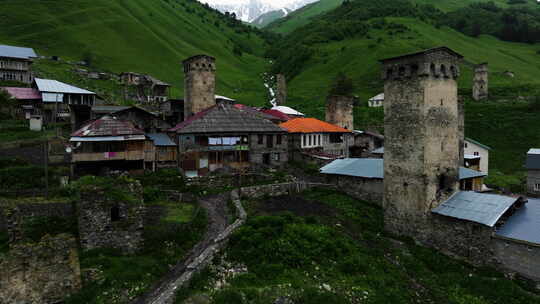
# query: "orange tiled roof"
311,125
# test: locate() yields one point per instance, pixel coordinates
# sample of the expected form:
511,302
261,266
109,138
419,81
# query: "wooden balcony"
107,156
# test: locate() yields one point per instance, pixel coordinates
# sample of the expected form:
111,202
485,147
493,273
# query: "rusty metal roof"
23,93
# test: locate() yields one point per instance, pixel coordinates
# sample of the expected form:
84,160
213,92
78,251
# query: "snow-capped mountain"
250,10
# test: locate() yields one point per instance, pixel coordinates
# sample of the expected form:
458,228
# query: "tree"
342,85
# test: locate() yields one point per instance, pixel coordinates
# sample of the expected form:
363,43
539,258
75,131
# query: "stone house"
476,155
225,137
172,111
142,119
421,197
16,63
147,88
363,178
365,142
376,101
532,164
310,136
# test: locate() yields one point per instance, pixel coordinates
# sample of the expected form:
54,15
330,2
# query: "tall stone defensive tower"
480,82
281,96
421,159
339,111
199,84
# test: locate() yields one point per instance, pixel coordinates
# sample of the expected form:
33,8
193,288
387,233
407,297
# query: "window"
278,140
115,214
309,141
466,145
536,187
277,156
320,139
260,139
304,140
270,141
336,138
476,154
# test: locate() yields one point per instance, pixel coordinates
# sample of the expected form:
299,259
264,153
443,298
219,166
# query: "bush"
36,227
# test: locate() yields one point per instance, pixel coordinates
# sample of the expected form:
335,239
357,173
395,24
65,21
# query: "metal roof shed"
480,208
17,52
524,225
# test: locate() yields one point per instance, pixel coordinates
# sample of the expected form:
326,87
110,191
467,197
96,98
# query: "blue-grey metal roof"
533,159
466,173
17,52
374,168
378,151
524,225
108,109
358,167
54,86
476,207
161,139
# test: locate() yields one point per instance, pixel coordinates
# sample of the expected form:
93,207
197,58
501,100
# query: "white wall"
474,149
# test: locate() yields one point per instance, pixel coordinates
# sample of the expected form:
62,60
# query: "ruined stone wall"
277,189
16,214
106,222
44,272
480,82
518,257
199,84
367,189
281,94
339,111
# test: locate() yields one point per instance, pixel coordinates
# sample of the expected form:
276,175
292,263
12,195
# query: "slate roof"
524,224
223,118
374,168
54,86
425,52
17,52
533,159
476,207
311,125
107,126
161,140
23,93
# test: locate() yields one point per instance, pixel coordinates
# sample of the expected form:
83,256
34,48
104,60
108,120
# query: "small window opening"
442,182
401,71
443,70
433,70
115,214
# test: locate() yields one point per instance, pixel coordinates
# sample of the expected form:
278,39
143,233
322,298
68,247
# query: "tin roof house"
15,63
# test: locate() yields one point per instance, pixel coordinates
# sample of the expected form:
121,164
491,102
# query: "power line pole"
46,159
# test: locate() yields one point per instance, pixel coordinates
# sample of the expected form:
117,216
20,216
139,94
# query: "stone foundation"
44,272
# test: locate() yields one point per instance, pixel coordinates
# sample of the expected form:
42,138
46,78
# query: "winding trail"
164,291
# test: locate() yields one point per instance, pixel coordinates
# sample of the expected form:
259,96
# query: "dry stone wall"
44,272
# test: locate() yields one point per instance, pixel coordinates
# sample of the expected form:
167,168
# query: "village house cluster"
426,174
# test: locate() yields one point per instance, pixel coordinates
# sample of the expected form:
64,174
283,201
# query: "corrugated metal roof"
524,225
357,167
466,173
161,140
23,93
374,168
223,98
107,138
477,143
17,52
476,207
108,109
533,159
54,86
311,125
377,97
288,110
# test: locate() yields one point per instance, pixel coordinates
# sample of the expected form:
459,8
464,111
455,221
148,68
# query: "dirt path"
164,291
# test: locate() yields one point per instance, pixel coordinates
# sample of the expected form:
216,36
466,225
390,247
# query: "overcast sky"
277,3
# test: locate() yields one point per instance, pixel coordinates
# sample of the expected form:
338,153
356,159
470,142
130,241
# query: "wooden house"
15,63
225,137
160,151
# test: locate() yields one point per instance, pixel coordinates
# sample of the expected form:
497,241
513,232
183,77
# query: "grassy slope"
149,36
302,16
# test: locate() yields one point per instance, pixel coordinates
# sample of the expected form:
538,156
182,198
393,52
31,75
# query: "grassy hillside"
148,36
325,247
302,16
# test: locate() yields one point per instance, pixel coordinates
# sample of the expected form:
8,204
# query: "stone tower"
281,95
421,159
199,84
480,82
339,111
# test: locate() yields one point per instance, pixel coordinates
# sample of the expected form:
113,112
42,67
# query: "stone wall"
17,213
44,272
281,94
278,152
339,111
106,222
480,82
278,189
199,84
518,257
367,189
